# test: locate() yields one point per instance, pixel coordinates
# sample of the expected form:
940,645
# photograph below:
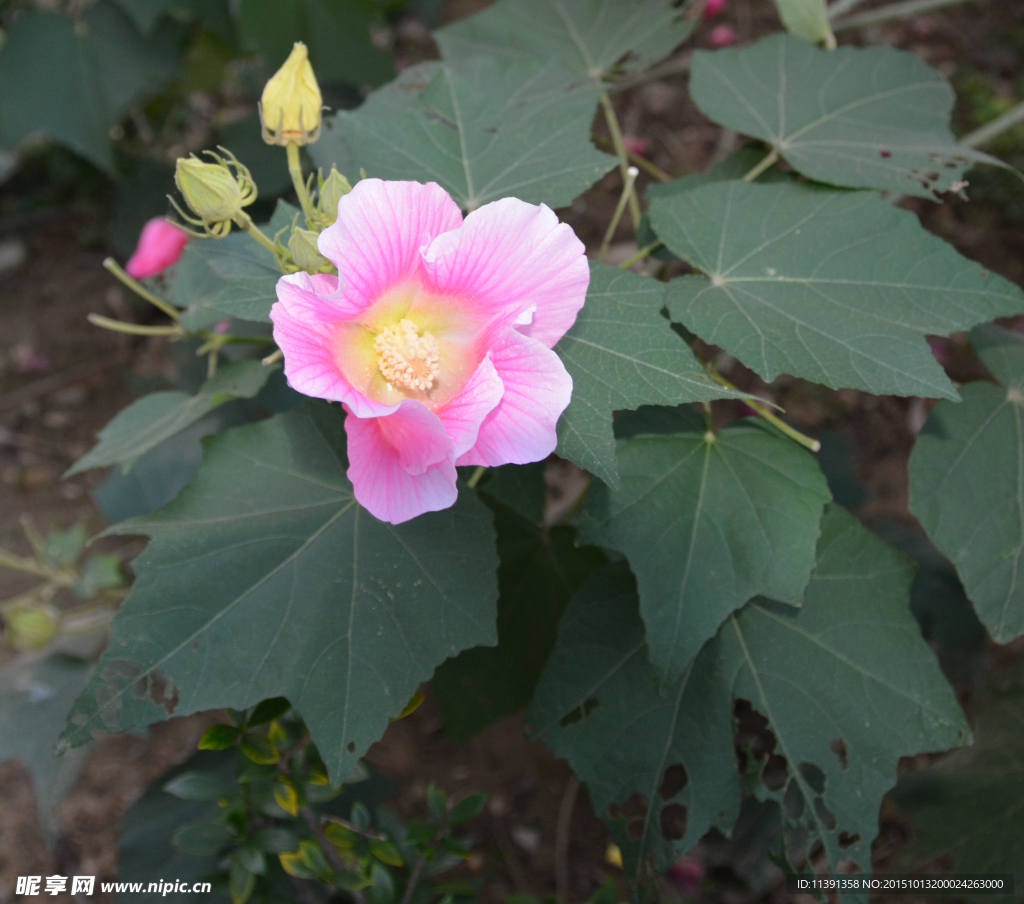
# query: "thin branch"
414,879
986,133
562,827
841,7
141,290
894,11
627,195
620,148
642,254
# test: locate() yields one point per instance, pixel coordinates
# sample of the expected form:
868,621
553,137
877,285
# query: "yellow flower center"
406,358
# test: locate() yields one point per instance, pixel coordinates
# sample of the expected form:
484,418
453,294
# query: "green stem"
640,255
295,169
272,358
245,222
135,329
20,563
620,149
769,161
475,478
772,419
627,193
984,134
905,10
840,7
140,289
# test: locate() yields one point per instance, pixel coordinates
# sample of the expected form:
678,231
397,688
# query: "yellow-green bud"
30,627
216,191
332,190
291,103
302,246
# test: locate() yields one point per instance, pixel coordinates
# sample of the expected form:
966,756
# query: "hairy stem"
295,169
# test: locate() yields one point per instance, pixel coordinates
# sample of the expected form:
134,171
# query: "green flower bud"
303,250
30,627
216,192
332,190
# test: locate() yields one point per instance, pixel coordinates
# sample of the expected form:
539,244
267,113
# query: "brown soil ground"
48,420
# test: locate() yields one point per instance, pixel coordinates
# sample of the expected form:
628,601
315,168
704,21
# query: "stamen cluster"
408,359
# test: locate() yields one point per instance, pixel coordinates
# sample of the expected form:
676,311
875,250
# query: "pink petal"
463,414
401,465
307,327
537,390
160,245
715,8
381,227
509,256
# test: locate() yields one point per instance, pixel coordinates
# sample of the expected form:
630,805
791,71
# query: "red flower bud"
160,245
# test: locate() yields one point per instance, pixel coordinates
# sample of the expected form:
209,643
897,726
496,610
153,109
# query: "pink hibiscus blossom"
160,245
436,337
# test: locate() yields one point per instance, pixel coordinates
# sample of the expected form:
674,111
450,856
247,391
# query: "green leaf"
241,882
708,524
968,806
807,19
267,711
487,131
220,737
275,841
73,81
467,809
264,578
63,547
337,33
846,683
594,39
835,287
967,484
203,839
147,422
437,803
34,701
670,754
622,353
521,487
145,13
98,573
540,569
196,785
870,117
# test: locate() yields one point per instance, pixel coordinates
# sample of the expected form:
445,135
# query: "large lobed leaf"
622,353
149,421
265,578
73,81
835,287
591,39
846,682
487,130
860,117
967,484
708,522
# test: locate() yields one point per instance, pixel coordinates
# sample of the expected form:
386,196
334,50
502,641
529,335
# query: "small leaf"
824,285
98,573
197,786
275,841
219,737
386,852
63,547
871,117
287,796
437,803
382,885
260,749
807,19
251,857
414,704
466,809
267,711
967,483
202,838
622,353
241,882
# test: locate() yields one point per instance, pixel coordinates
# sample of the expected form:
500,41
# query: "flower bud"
30,627
160,245
216,191
332,190
303,249
290,107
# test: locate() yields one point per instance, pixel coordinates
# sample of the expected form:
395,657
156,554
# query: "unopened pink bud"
715,8
722,36
160,245
636,145
687,874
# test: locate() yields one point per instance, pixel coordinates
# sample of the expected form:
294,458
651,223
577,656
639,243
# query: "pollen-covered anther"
406,357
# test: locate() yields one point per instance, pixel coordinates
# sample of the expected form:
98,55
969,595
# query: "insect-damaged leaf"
265,578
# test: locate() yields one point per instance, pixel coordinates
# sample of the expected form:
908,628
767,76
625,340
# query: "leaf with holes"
847,684
659,768
870,117
835,287
708,524
149,421
593,39
969,806
540,569
967,484
265,578
622,353
486,131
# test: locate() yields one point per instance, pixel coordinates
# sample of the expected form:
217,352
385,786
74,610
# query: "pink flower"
160,245
722,36
715,8
436,336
